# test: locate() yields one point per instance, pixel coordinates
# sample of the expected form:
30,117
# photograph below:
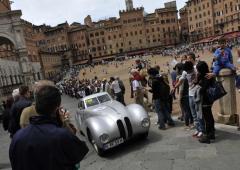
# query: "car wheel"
99,150
144,135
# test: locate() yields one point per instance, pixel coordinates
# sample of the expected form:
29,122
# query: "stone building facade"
30,39
132,33
78,43
16,47
226,16
5,6
183,24
200,19
114,37
50,63
46,49
208,18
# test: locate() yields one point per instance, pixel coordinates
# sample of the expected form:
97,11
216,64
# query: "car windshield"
104,98
97,100
92,102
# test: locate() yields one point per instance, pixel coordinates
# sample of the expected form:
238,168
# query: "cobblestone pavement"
173,149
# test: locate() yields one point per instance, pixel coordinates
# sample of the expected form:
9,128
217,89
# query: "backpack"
216,91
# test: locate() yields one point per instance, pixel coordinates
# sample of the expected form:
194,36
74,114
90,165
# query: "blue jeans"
217,68
162,110
186,109
198,122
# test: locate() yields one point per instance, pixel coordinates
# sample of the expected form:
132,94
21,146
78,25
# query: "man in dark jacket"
17,108
44,144
160,91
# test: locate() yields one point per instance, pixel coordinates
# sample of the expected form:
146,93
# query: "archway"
7,49
12,34
9,63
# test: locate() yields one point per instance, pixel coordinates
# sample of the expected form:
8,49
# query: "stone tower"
5,5
129,5
88,21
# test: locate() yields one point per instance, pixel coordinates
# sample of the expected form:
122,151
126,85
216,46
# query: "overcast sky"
53,12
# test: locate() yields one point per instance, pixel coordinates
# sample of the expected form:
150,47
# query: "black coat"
15,114
205,84
6,117
160,89
45,146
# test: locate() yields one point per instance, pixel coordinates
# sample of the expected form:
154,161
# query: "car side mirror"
79,106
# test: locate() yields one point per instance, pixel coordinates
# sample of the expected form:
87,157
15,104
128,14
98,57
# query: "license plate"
113,143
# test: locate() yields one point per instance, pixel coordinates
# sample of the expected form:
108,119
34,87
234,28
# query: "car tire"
144,136
97,149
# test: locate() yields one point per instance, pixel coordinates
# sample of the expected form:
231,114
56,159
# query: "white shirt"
115,86
136,84
106,87
190,77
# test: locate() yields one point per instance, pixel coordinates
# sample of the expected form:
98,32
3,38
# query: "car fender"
137,113
102,125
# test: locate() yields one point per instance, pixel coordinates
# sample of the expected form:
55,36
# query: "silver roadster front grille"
129,127
121,129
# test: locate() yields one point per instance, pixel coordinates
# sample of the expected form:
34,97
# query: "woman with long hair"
205,83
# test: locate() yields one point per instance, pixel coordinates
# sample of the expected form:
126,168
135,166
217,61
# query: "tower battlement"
132,10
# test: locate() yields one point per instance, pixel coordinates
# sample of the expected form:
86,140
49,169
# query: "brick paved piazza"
173,149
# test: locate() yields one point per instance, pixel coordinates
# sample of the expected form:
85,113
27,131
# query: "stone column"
14,79
25,67
228,103
5,81
18,79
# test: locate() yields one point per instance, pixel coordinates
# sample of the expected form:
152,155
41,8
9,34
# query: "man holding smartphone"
44,144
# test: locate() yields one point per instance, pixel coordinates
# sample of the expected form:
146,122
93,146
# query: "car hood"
113,110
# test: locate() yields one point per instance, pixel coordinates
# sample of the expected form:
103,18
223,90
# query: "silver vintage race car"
107,123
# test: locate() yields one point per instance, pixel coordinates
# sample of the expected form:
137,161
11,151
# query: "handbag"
216,91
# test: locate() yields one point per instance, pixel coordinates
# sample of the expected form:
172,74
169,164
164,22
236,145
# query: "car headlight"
145,122
104,138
